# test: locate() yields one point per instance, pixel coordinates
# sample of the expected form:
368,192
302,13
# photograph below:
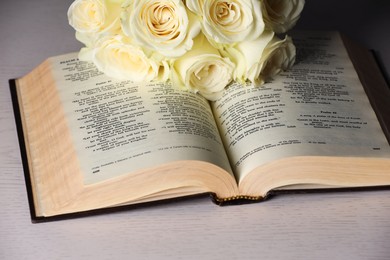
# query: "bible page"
119,127
319,107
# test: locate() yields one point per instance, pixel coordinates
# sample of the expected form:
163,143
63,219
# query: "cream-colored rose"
282,15
229,21
118,58
164,26
261,59
247,57
278,56
94,16
202,70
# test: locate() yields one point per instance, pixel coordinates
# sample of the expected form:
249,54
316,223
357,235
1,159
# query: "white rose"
261,59
247,56
278,56
160,25
229,21
202,70
118,58
282,15
94,16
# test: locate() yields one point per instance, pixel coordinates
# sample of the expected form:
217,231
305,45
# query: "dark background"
365,21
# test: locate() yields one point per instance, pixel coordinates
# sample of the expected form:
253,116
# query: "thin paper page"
317,108
119,127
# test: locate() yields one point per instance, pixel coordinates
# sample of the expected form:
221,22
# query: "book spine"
236,200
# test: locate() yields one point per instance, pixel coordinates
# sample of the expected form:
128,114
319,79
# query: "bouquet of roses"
199,45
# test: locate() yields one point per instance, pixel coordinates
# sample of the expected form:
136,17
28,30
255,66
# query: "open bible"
90,142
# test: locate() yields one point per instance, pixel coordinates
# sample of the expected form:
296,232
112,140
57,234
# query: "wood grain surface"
339,225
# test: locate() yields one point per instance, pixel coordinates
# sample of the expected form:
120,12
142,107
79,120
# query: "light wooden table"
317,226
